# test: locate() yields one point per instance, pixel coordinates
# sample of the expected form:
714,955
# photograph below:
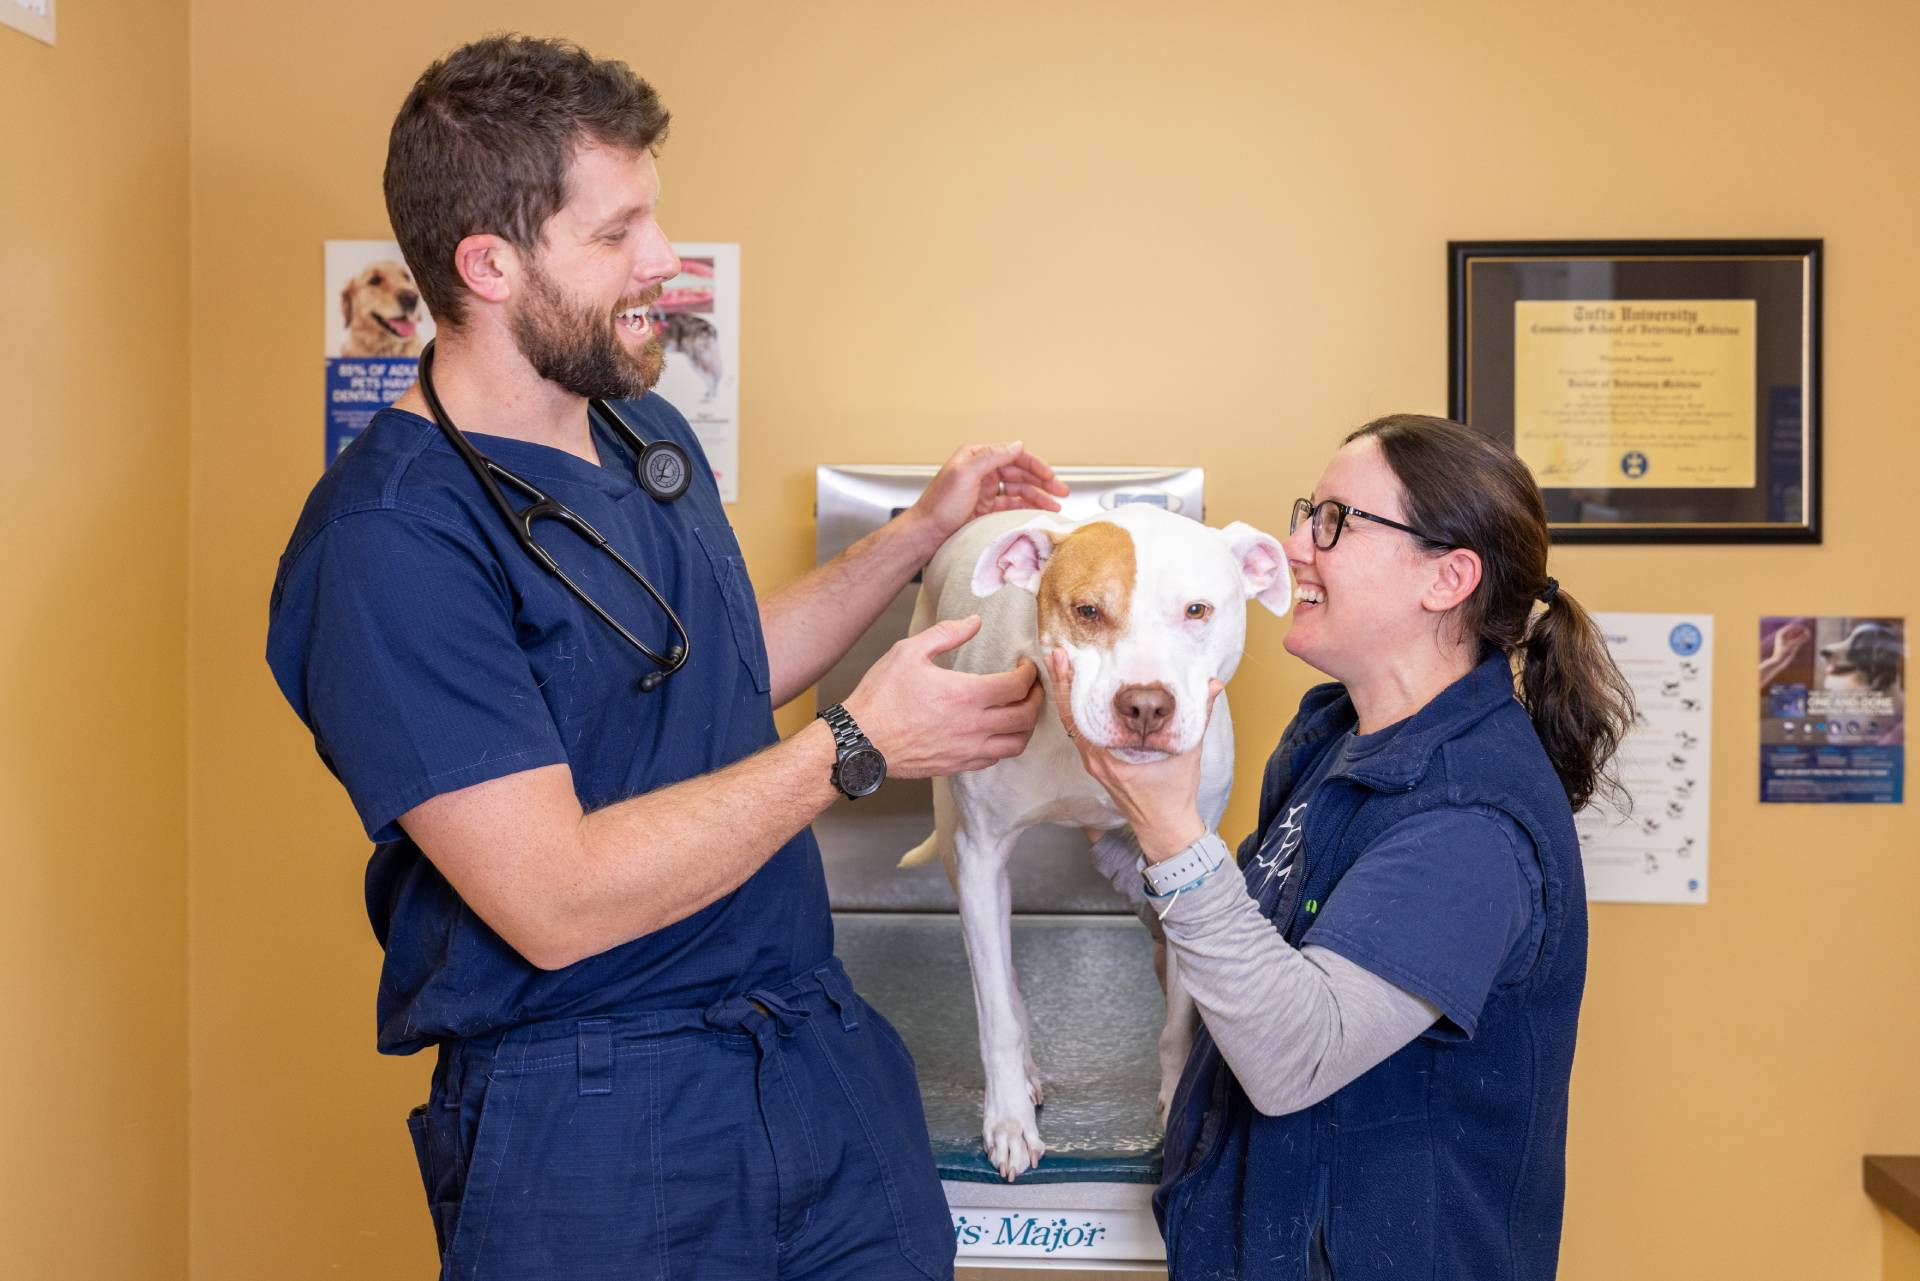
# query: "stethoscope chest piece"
664,470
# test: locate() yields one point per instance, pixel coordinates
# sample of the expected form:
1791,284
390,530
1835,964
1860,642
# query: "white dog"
1149,607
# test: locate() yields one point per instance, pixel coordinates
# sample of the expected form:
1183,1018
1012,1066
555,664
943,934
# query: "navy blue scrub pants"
774,1136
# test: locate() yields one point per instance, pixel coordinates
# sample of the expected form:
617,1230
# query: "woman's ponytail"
1582,707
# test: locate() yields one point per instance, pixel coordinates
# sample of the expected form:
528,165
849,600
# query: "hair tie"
1547,594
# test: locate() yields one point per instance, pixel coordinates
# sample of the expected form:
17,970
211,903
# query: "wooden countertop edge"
1894,1182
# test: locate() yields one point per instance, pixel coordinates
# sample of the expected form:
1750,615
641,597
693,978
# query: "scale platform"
1095,1010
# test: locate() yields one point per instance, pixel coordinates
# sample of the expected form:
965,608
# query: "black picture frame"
1782,278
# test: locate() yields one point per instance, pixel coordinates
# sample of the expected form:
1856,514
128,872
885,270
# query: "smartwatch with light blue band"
1185,870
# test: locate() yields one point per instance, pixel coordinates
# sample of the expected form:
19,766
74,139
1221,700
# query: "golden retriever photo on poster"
375,326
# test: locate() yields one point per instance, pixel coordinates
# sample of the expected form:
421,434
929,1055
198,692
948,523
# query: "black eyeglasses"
1330,517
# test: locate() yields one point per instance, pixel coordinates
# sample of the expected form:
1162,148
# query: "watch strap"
1184,870
846,731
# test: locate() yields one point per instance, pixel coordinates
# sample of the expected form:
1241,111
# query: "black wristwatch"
860,768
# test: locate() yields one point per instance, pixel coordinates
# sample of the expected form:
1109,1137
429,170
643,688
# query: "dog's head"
384,297
1869,657
1148,606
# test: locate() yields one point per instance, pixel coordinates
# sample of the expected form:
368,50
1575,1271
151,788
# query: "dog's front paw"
1013,1142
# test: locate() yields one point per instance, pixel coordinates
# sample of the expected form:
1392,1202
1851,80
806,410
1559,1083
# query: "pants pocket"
876,1074
561,1184
423,1156
1319,1266
440,1147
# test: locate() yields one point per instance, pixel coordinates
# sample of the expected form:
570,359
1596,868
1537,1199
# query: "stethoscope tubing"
544,506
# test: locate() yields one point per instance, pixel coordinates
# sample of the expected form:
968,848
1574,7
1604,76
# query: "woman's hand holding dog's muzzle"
1160,798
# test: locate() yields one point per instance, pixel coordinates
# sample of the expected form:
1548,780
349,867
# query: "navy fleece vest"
1448,1159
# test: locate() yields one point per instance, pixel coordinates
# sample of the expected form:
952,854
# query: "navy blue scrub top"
427,652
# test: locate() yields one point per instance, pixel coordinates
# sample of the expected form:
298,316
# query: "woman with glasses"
1390,977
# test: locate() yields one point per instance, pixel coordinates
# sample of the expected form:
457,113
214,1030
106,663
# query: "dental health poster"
1833,710
376,325
1654,848
697,319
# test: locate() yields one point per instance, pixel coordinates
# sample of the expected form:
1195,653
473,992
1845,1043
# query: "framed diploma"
1661,391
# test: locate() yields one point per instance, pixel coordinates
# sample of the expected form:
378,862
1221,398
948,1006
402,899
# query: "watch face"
862,770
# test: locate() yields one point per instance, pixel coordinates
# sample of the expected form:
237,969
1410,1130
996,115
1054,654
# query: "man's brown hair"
483,143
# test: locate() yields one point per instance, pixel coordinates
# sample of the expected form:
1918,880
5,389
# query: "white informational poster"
35,17
698,321
1655,850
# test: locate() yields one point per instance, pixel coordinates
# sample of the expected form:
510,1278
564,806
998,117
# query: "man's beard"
575,347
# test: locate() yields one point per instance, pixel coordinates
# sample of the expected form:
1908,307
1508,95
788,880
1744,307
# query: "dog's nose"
1143,708
408,300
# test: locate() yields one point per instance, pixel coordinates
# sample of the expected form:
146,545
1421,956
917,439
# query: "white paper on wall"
1654,850
698,320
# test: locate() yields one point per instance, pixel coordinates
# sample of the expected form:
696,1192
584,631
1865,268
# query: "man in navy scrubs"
602,901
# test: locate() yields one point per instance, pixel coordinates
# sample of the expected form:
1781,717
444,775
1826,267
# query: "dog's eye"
376,282
1199,609
1088,612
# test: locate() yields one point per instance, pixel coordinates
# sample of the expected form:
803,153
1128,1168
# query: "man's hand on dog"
1160,798
930,722
986,478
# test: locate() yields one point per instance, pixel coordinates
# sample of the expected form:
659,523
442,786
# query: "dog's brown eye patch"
1087,586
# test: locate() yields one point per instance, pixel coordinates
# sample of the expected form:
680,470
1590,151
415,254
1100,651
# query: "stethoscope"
664,471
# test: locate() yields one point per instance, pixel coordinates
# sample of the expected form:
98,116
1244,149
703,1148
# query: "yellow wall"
93,636
1129,233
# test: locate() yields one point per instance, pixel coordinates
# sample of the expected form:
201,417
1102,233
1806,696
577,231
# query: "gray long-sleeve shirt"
1294,1024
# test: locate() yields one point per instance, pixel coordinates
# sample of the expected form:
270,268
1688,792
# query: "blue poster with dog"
376,324
1833,710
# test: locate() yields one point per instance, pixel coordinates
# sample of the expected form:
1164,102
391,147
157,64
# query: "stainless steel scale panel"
862,841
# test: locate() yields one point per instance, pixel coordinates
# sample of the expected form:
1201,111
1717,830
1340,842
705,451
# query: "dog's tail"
925,852
941,841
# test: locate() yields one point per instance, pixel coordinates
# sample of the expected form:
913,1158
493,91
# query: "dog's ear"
346,305
1016,557
1263,565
